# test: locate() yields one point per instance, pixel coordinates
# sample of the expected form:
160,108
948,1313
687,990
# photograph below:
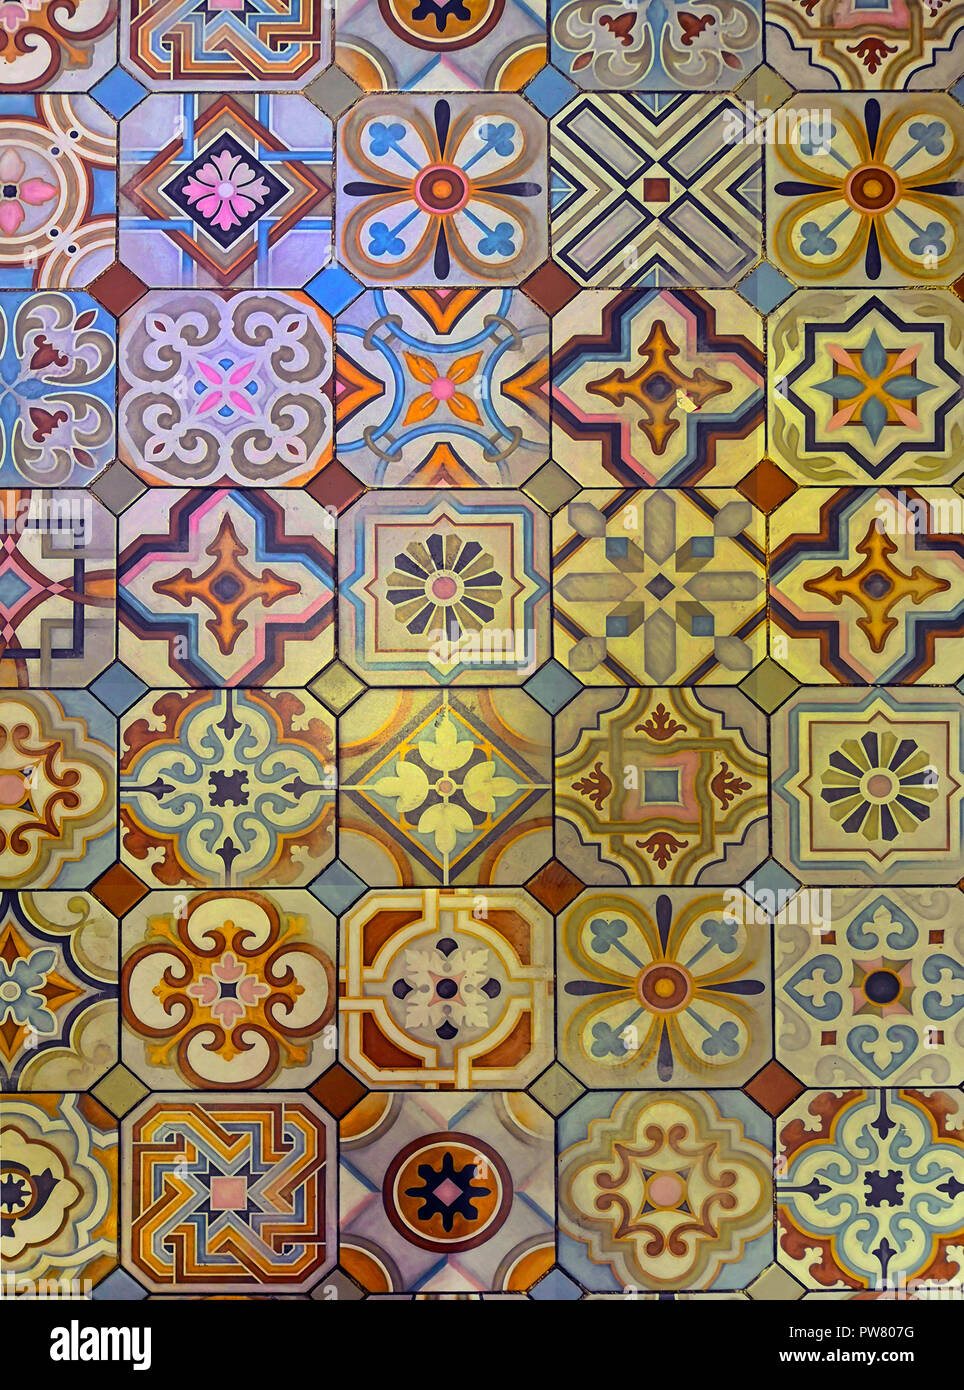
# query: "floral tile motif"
444,588
657,387
873,993
648,190
659,587
58,808
445,46
442,190
57,586
706,46
665,1190
228,991
177,45
867,386
253,1204
442,389
225,387
868,784
58,996
226,588
239,197
888,1165
58,216
662,988
225,789
60,1190
664,786
445,788
57,369
871,194
865,44
452,1193
444,990
42,46
868,586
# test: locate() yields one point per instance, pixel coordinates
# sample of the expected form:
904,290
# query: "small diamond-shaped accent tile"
334,289
556,1287
765,288
549,91
774,1088
119,1287
335,488
550,287
765,88
775,1285
118,889
117,487
118,688
556,1089
337,1286
118,92
120,1090
767,486
770,886
337,887
768,685
118,289
334,91
555,886
551,487
552,686
339,1090
336,687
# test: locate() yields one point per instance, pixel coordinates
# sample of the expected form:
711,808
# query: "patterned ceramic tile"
226,387
59,1157
870,986
868,785
648,190
230,1195
228,991
870,1186
58,807
868,386
662,586
452,1193
44,46
665,1190
58,216
869,194
657,387
442,190
868,586
706,46
226,588
57,585
661,786
240,196
865,44
227,789
443,588
58,997
445,788
443,990
178,45
442,46
440,389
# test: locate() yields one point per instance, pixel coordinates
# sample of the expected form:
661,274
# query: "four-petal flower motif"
16,191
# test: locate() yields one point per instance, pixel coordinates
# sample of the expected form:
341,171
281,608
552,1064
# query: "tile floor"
481,714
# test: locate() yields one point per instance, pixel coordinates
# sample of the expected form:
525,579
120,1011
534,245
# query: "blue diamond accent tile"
549,91
552,686
334,289
556,1287
770,886
118,688
338,887
119,1287
118,92
765,288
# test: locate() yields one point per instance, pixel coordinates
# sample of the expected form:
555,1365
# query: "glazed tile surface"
481,603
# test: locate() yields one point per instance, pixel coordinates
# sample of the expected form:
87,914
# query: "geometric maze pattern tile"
481,712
